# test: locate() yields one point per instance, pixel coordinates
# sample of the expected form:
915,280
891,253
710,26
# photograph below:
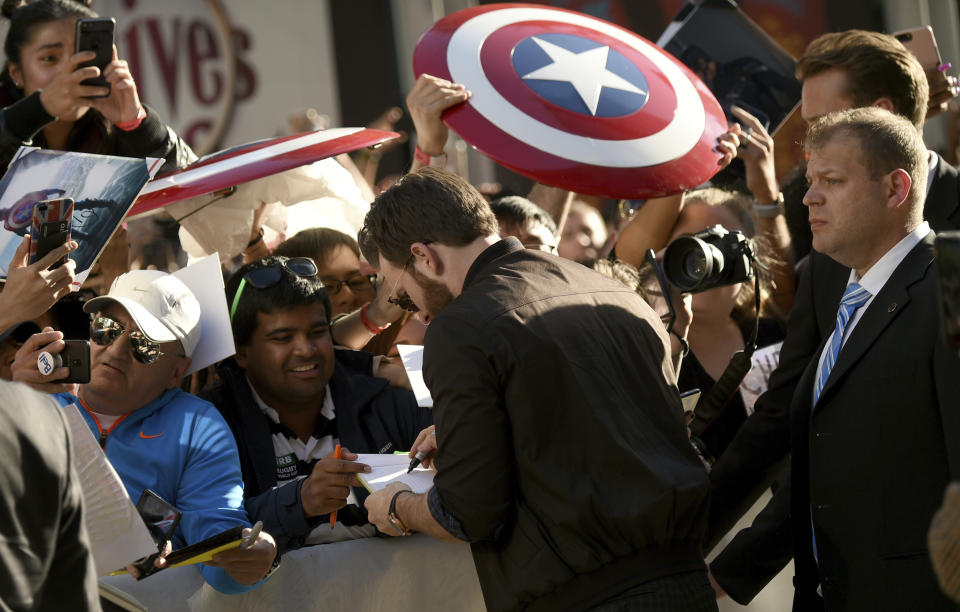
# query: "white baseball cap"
160,304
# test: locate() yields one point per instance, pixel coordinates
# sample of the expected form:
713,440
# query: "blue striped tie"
854,297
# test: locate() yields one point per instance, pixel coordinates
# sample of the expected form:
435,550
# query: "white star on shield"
586,72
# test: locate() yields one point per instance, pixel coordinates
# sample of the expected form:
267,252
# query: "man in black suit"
874,430
839,71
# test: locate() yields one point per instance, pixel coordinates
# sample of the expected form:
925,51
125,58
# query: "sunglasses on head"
105,331
268,276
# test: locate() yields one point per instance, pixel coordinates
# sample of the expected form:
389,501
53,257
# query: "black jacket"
23,119
563,455
371,416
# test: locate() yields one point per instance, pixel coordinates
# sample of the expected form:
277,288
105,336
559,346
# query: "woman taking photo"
45,103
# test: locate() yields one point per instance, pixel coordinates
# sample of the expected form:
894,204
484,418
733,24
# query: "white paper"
386,469
117,533
205,280
754,384
412,357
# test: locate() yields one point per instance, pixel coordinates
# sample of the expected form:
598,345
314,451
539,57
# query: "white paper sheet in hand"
412,357
205,279
386,469
117,533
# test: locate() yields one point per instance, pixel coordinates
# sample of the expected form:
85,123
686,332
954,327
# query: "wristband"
769,211
423,158
392,517
373,329
129,126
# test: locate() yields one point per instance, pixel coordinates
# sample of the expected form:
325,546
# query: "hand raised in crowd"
427,101
943,89
123,103
248,565
756,150
64,95
728,144
24,366
31,289
327,487
426,443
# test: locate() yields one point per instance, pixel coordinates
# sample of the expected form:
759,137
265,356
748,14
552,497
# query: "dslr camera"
710,258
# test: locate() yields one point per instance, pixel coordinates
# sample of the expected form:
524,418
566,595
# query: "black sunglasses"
105,331
268,276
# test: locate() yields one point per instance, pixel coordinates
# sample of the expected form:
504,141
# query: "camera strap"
713,402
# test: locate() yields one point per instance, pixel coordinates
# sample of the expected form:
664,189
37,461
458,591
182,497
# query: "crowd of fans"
316,322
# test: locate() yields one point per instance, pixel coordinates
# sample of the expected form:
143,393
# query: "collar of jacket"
490,254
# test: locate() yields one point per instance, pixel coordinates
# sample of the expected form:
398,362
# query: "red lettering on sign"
202,47
246,76
134,60
167,56
195,131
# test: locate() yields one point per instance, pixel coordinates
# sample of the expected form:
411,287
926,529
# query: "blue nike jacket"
180,447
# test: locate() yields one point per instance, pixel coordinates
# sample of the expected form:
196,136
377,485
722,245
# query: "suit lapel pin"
892,307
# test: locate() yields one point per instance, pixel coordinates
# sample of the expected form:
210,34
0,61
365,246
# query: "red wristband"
373,329
129,126
420,156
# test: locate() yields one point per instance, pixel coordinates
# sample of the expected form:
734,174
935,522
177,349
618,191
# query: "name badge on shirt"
286,467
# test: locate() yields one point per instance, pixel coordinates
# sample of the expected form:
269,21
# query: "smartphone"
947,245
920,42
76,356
161,519
96,35
50,228
160,516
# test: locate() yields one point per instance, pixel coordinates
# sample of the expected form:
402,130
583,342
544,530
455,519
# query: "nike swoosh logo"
146,437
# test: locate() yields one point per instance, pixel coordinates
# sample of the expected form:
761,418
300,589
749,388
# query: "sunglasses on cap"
268,276
105,331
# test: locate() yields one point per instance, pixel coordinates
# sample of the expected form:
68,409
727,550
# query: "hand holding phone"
922,44
75,356
161,519
25,362
50,228
96,35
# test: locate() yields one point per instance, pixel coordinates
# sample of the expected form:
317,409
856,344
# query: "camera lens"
689,261
694,264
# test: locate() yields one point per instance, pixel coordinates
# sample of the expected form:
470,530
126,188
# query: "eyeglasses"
268,276
106,331
403,299
358,283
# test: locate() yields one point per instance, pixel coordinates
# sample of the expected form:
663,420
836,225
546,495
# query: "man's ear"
179,372
885,103
898,187
426,259
241,357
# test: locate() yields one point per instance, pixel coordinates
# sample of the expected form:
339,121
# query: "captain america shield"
573,101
